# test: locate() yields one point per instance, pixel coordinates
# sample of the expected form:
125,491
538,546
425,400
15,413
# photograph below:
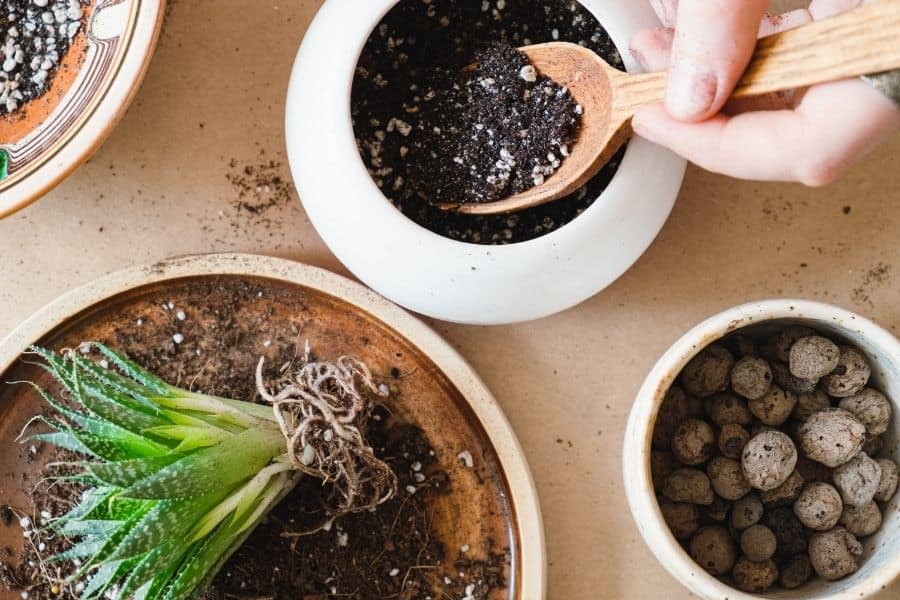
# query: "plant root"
322,409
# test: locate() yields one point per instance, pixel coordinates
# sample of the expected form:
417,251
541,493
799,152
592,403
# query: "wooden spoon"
863,41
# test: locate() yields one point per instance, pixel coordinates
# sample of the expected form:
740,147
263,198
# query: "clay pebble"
713,549
858,480
746,512
755,577
768,460
694,442
774,407
796,571
861,521
751,377
871,408
813,357
708,372
727,478
834,554
887,486
850,376
688,485
758,543
831,436
819,506
732,439
726,408
786,493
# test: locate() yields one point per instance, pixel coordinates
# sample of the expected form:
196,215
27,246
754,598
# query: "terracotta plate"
274,305
46,139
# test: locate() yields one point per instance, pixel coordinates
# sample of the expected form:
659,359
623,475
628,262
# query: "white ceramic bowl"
882,551
434,275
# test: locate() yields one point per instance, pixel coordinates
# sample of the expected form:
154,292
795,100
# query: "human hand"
811,136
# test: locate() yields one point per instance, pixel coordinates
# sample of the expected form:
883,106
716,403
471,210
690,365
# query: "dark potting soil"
403,70
393,552
388,553
497,130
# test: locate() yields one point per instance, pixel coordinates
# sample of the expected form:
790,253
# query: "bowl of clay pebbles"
68,71
762,455
234,426
397,105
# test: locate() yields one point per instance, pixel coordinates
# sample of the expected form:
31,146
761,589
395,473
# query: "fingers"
652,48
666,10
848,120
835,125
714,40
776,100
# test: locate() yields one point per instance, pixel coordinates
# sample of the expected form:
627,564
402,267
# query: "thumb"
714,40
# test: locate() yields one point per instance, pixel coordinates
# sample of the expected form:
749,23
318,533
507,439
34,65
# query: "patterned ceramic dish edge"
120,37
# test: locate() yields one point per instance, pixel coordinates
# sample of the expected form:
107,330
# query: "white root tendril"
322,409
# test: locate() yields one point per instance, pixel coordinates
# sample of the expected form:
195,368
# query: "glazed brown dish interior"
17,125
228,323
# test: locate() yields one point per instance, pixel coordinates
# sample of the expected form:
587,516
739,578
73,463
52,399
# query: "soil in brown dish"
205,336
389,553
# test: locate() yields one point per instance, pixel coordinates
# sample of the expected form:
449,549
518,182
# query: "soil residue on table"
259,186
400,71
872,279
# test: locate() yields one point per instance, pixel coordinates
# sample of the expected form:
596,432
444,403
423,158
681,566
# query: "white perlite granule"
528,73
35,36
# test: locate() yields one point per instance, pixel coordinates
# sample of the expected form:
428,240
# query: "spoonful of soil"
860,42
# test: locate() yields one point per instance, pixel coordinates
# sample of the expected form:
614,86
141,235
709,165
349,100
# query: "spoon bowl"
606,123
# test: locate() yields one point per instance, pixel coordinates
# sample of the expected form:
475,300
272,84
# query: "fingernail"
691,90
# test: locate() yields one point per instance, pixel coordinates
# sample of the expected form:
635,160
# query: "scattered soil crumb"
259,187
873,279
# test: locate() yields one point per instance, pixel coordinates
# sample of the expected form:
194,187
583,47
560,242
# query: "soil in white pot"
494,130
403,72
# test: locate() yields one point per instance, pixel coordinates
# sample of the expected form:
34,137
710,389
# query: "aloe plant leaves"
175,479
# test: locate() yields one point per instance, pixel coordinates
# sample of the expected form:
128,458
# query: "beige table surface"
213,103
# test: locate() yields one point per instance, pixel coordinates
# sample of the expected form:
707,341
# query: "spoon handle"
860,42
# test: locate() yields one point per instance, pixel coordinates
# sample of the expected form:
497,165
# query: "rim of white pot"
434,275
878,570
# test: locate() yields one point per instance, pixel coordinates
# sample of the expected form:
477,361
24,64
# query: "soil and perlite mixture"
498,129
36,35
388,553
404,70
200,341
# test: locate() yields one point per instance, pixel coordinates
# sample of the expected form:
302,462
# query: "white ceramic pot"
881,563
434,275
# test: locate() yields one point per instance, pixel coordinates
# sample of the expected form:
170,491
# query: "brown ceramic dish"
44,141
275,304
